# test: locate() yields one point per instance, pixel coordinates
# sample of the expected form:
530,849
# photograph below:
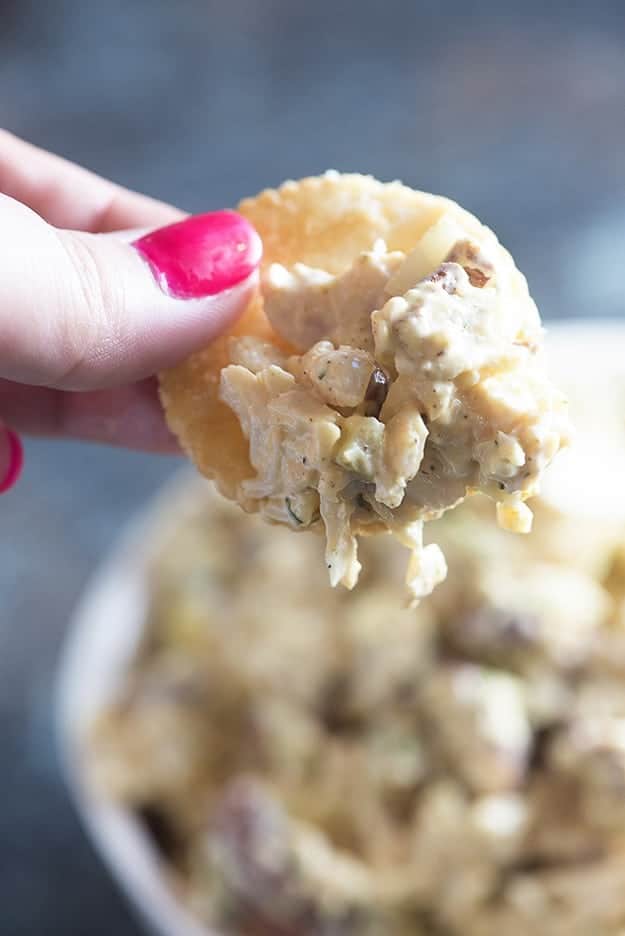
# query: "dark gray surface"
519,115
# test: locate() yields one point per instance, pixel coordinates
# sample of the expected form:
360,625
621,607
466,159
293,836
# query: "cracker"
324,222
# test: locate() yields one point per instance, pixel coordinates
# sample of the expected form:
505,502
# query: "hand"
91,307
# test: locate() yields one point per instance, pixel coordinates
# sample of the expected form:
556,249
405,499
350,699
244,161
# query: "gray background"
517,110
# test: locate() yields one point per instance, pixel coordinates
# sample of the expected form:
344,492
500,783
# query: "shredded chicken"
419,380
310,761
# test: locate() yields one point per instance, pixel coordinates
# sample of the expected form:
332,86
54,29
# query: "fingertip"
201,256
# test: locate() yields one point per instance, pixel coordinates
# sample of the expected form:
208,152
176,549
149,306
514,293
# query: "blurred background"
515,110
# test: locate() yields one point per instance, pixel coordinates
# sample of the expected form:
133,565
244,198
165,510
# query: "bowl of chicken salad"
255,753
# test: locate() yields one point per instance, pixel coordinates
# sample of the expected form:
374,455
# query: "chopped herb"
502,486
321,374
304,460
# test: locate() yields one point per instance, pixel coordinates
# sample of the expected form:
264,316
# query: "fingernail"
202,255
12,461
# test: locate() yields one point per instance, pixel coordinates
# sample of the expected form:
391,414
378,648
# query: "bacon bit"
376,392
469,256
446,278
531,346
464,250
477,277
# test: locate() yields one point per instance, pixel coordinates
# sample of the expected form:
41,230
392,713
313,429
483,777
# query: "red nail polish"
202,255
15,461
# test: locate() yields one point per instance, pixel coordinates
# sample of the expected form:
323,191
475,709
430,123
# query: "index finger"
68,196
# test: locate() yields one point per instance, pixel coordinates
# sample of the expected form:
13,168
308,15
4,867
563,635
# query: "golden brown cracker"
324,222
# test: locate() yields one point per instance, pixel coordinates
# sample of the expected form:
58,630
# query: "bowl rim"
102,634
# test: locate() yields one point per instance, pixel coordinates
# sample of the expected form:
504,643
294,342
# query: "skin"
83,324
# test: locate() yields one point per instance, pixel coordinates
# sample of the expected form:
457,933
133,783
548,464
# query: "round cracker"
325,222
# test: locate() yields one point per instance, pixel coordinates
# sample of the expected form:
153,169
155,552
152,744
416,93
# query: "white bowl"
109,620
103,635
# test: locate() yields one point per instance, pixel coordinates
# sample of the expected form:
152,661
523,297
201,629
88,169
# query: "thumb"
87,311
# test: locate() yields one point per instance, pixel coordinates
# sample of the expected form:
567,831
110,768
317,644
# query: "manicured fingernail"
202,255
12,459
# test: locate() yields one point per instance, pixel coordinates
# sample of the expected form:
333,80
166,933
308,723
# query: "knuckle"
88,329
